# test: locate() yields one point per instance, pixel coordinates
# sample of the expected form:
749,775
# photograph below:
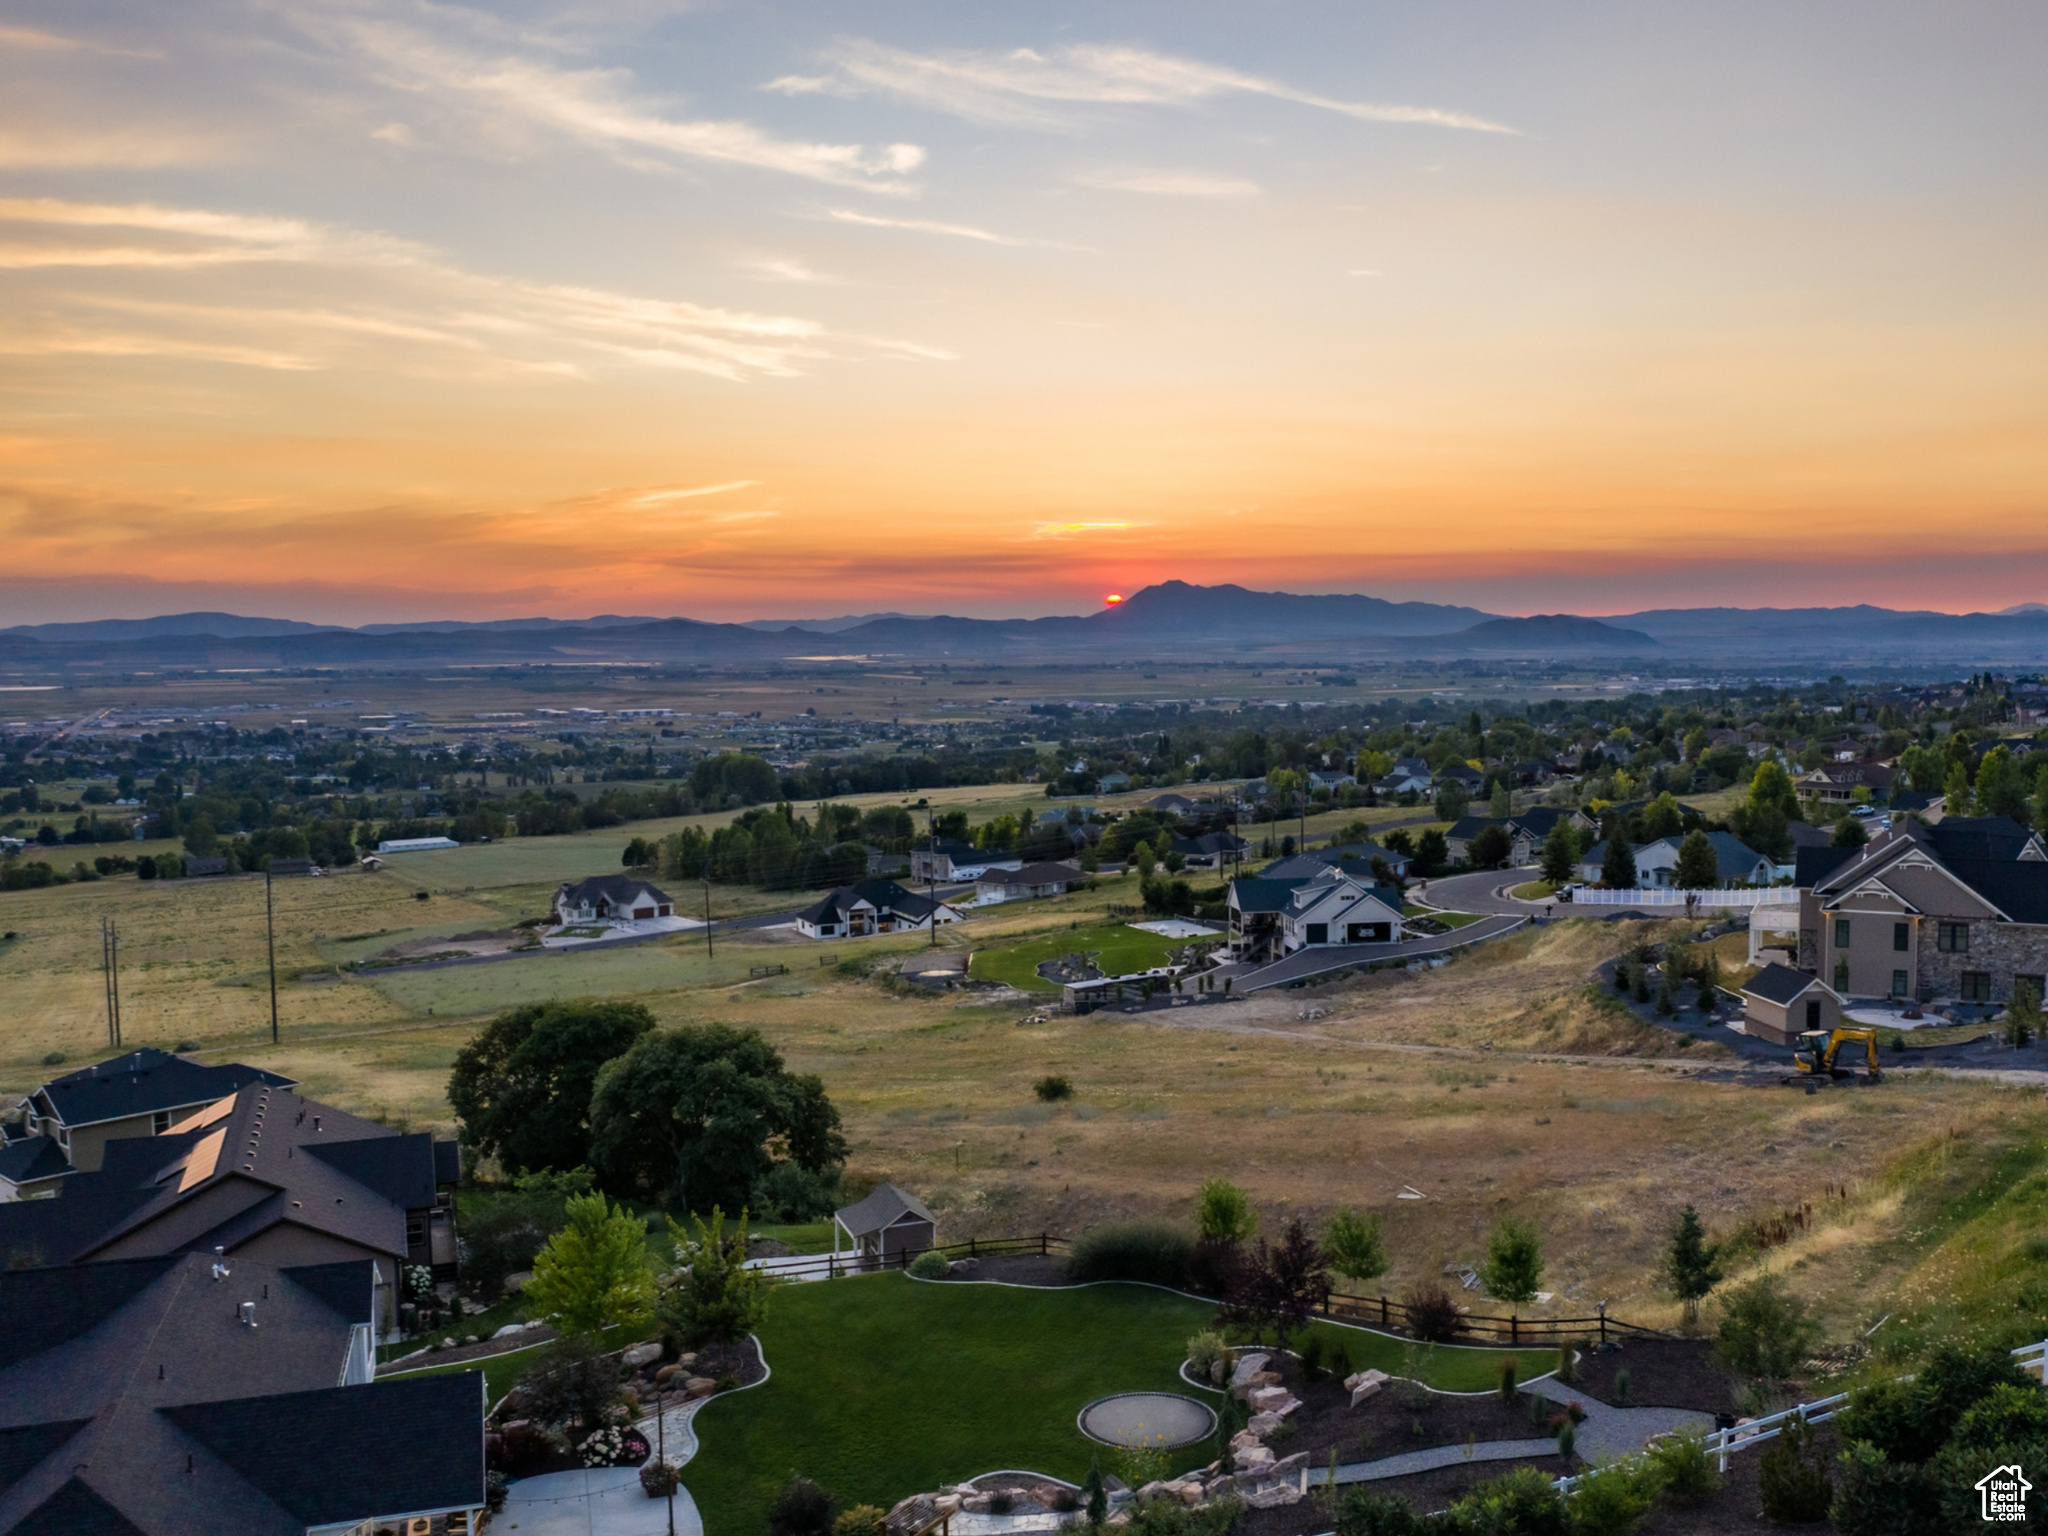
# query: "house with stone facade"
1957,911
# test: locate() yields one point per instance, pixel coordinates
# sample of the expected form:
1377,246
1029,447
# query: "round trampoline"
1159,1420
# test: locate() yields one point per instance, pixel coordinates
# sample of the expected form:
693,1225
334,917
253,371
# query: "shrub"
54,1059
1765,1331
717,1300
502,1233
1897,1418
1792,1480
1224,1214
929,1265
1155,1251
1567,1363
523,1448
1357,1250
1053,1088
2007,1415
1621,1388
1514,1260
1364,1512
1881,1497
1312,1357
802,1508
1567,1439
1433,1316
1338,1361
1000,1503
1612,1500
1524,1503
571,1384
1206,1350
1684,1471
1507,1381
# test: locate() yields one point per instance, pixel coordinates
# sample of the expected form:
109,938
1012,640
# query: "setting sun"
1113,599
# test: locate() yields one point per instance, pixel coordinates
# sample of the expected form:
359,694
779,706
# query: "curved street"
1485,892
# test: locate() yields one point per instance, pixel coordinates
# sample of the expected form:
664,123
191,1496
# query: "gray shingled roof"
880,1209
1780,984
144,1081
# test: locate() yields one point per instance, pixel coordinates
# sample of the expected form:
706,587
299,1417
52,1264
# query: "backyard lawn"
1118,949
883,1386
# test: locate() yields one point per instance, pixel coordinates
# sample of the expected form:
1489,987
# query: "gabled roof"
26,1158
1263,895
1538,820
2017,887
133,1397
1812,866
883,1208
309,1451
1781,984
882,895
616,889
1978,837
1805,836
1209,843
143,1082
1468,827
400,1168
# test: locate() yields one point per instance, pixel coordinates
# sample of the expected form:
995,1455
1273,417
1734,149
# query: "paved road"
1484,892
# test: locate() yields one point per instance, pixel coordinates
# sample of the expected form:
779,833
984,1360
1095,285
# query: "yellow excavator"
1814,1056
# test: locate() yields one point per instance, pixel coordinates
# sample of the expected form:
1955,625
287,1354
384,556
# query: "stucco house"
611,899
873,906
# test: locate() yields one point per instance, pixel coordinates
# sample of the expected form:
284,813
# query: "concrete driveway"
599,1501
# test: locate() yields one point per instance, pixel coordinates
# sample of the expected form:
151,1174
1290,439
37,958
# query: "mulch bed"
483,1349
1662,1373
1019,1269
1401,1416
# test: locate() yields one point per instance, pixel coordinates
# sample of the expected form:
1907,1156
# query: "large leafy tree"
522,1086
1355,1245
593,1273
701,1115
1560,854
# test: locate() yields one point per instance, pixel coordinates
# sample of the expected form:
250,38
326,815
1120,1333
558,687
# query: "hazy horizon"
374,309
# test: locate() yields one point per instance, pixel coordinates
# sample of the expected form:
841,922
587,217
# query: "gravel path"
1610,1432
1410,1462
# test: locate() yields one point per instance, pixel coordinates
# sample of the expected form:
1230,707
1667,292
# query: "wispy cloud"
1080,530
1168,183
595,105
35,40
1016,87
666,494
782,269
373,291
952,231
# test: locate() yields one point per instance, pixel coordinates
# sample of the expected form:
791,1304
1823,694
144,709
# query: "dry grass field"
1501,1083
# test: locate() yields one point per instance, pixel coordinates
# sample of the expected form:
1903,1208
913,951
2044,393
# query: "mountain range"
1169,620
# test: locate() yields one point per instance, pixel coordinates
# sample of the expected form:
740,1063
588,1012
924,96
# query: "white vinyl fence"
1698,901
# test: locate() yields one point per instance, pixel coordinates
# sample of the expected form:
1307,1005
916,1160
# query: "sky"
357,310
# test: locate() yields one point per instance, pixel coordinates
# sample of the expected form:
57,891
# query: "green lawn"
1118,949
882,1386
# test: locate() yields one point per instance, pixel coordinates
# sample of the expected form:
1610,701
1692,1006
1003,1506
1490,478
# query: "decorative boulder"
1364,1384
637,1355
1153,1490
1247,1366
1253,1458
1244,1439
1269,1399
665,1375
1263,1424
699,1386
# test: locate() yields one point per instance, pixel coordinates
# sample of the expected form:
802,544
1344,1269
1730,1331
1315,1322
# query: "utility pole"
110,964
668,1477
270,943
931,874
707,918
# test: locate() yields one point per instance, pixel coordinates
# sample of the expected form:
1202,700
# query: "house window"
1902,937
1841,933
1841,975
1318,933
159,1122
1976,986
1900,983
415,1231
1952,938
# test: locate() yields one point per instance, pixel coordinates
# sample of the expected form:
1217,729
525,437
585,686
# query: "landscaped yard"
1118,949
884,1386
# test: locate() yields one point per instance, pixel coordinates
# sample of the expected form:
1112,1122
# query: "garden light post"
661,1431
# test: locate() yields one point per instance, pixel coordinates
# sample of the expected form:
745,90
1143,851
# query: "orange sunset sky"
364,310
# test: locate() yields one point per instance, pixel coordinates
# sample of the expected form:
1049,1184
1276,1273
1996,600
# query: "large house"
263,1173
1274,917
1955,911
1354,859
190,1392
1836,783
1735,863
1409,775
1211,850
611,899
873,906
144,1093
1026,883
945,860
1526,832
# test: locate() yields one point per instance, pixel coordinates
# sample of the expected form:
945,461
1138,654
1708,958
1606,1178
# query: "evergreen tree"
1560,854
1618,866
1698,868
1693,1263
